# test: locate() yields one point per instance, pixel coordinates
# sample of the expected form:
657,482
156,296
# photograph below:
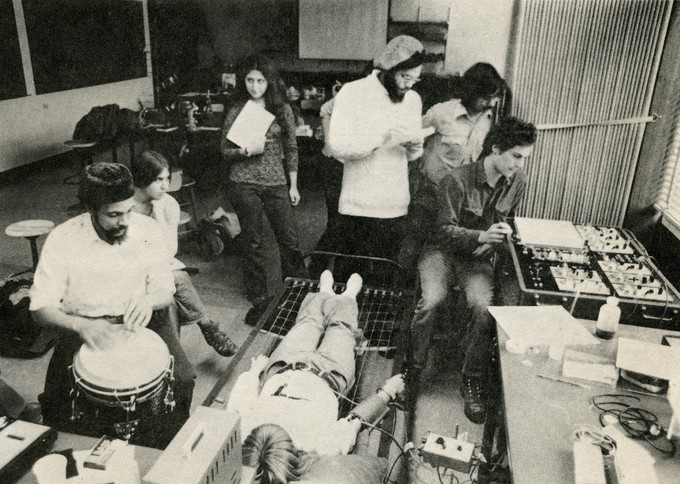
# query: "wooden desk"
541,415
144,456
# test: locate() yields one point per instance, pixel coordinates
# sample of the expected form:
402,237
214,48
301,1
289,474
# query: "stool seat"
76,144
81,149
184,218
29,228
187,181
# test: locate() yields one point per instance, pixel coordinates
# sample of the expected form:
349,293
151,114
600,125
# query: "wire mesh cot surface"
380,311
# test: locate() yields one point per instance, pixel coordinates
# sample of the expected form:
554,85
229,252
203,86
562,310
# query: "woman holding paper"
258,138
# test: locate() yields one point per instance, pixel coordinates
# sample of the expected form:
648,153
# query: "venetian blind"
668,200
584,72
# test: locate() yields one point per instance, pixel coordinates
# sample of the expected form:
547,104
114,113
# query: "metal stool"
183,189
84,151
30,230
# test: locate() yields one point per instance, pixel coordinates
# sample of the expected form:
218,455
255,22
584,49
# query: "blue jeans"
190,308
252,203
439,271
325,333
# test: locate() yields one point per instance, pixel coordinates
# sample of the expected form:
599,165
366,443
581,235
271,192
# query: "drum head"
135,359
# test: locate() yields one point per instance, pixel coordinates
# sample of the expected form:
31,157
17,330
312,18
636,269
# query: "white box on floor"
206,449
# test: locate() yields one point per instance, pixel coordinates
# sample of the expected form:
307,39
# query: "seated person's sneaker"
216,338
471,391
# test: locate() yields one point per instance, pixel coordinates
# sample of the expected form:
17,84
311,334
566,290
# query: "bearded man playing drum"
107,266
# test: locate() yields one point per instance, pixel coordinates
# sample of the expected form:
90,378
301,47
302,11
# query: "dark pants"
439,271
332,184
252,203
56,400
366,236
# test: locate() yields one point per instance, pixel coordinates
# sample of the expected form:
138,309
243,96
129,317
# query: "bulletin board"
80,43
12,83
350,29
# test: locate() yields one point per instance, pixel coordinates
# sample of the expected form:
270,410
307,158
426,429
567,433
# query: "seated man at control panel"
296,412
474,203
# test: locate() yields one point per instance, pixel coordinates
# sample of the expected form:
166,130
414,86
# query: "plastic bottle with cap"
608,319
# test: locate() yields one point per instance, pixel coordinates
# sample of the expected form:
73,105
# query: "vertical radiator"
584,71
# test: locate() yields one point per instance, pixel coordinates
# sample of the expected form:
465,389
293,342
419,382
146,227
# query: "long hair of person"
480,80
508,133
146,166
270,450
274,97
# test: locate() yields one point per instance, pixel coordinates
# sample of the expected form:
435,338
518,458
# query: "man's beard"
396,95
110,236
115,235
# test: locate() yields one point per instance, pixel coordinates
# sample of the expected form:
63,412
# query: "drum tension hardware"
124,430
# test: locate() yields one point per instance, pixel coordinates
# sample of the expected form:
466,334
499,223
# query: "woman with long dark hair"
260,174
151,176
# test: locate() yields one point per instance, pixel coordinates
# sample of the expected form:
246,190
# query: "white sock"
326,282
354,284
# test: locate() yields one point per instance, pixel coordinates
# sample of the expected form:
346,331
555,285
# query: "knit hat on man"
105,183
398,50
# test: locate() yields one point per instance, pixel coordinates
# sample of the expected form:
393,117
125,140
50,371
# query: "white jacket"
375,176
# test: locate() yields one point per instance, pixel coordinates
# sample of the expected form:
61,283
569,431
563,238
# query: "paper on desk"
551,233
541,325
651,359
250,127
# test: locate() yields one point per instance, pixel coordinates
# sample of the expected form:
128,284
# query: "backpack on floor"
20,335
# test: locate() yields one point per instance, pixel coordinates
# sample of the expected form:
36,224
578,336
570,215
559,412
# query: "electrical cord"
453,476
596,437
396,442
340,395
387,478
637,422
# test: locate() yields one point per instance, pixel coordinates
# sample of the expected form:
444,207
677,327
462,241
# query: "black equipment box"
21,444
611,263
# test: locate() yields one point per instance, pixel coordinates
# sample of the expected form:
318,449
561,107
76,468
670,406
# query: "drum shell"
98,404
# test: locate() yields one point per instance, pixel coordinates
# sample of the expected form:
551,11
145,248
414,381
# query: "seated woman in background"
258,185
151,176
296,412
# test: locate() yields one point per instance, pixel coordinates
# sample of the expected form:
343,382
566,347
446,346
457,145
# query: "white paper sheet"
250,127
541,325
551,233
656,360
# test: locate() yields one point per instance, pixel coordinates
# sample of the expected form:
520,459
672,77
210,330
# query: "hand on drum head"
98,334
137,313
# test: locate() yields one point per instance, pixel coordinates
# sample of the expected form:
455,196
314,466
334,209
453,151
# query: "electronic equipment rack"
611,263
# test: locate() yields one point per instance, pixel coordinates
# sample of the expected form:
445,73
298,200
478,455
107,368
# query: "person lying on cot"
296,412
